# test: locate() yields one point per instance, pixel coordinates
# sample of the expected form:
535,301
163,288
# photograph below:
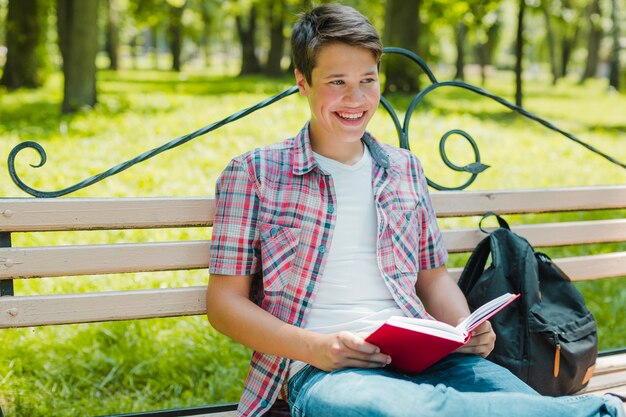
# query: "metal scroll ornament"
402,129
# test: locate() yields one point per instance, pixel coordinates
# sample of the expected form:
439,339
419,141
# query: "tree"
460,36
207,21
175,31
614,68
78,42
402,29
519,52
276,23
149,16
594,20
488,37
571,22
24,34
551,43
246,29
112,33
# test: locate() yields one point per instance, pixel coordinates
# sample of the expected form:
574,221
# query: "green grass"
96,369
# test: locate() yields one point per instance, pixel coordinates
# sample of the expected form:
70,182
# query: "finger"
356,342
361,363
482,339
481,350
483,328
378,358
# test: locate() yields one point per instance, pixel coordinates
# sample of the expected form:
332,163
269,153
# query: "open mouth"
350,116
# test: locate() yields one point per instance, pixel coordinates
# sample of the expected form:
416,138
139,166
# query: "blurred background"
97,83
555,39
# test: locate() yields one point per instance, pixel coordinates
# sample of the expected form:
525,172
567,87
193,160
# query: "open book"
415,344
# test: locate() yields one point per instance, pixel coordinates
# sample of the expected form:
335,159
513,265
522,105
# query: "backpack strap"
501,221
475,266
478,259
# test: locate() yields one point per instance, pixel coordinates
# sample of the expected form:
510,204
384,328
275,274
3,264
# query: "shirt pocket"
279,246
405,229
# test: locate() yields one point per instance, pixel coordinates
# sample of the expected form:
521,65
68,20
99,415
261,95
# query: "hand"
346,350
482,341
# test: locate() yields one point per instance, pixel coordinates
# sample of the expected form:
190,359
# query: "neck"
346,153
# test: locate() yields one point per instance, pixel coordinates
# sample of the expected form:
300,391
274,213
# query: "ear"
301,82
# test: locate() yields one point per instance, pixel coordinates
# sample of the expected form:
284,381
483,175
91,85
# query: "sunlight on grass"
119,367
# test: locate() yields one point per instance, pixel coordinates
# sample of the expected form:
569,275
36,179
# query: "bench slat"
611,363
133,213
476,203
139,304
171,256
542,235
603,383
168,256
21,215
583,268
44,310
103,259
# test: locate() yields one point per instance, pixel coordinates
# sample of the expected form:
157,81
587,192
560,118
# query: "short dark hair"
327,24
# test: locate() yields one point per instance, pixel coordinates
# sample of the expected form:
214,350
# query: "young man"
320,238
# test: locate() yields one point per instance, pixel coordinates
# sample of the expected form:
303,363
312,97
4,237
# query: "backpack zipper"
557,355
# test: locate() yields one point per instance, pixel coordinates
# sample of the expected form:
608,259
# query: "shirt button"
407,216
273,231
310,287
264,403
282,365
331,208
322,248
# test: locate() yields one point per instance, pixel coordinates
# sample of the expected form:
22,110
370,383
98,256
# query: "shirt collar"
304,162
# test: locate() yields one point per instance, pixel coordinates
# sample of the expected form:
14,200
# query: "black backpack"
548,337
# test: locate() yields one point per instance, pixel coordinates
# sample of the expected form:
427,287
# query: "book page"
485,311
433,327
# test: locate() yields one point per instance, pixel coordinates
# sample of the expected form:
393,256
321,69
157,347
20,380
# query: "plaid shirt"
275,212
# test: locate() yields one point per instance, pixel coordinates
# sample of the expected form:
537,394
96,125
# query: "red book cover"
415,344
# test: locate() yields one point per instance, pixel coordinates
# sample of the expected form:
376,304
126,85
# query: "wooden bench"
27,216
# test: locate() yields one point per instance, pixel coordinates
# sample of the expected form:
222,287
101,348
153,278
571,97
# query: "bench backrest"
30,216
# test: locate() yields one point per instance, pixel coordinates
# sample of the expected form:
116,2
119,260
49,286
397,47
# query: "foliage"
97,369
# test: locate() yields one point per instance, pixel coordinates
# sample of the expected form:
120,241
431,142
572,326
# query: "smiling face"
343,96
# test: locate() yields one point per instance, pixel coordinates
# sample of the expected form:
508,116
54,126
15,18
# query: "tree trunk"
568,45
519,52
23,36
132,45
614,68
276,20
206,32
551,45
461,32
594,19
402,29
247,34
113,35
175,34
151,44
78,42
485,50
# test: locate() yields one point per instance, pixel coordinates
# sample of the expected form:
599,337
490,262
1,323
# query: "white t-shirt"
352,294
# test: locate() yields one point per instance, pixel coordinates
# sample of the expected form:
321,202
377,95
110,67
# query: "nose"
354,94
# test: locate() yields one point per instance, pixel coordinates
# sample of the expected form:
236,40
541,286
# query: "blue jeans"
459,385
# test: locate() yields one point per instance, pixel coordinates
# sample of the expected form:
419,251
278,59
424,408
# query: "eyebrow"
340,75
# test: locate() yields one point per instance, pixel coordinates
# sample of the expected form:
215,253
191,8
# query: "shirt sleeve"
235,244
433,253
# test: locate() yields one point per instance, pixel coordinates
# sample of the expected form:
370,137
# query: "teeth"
350,116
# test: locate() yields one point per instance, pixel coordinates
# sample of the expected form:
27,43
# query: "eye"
368,80
337,82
